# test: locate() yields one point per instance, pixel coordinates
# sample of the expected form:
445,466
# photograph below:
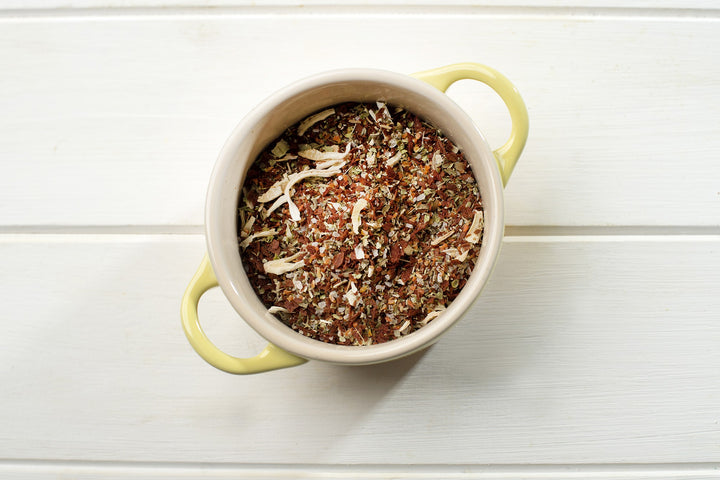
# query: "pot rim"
224,254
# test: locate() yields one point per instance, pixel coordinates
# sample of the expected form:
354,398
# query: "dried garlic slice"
287,157
276,309
293,208
350,295
456,254
475,231
279,202
432,315
329,171
313,119
282,189
317,155
330,164
274,191
355,215
395,159
441,238
247,226
330,160
437,159
283,265
265,233
372,115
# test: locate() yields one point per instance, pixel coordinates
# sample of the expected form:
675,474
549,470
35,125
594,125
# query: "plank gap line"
368,10
384,468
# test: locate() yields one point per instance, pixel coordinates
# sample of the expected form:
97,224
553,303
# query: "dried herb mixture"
360,224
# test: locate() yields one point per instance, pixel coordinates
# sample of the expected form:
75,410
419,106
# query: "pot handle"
271,358
507,155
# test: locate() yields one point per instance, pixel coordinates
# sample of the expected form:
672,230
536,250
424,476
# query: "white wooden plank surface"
592,356
116,119
581,350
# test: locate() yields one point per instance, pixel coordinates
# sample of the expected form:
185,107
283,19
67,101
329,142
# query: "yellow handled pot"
273,357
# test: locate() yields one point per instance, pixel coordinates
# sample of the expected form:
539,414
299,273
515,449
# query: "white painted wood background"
593,353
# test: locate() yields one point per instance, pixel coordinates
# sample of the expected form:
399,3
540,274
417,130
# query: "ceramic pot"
421,93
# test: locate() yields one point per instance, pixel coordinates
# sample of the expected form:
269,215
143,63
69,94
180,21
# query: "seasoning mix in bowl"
360,224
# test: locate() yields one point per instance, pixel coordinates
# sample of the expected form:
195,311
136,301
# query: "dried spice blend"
360,224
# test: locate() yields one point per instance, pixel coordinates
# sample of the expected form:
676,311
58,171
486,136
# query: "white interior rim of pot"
292,104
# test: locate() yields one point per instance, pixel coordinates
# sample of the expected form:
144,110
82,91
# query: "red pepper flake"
395,253
291,305
338,259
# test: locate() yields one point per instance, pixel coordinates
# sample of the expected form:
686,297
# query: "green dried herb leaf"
280,149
